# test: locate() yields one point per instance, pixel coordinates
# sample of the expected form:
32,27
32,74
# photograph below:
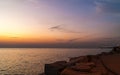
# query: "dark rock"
82,68
69,71
41,74
91,64
116,49
75,60
55,68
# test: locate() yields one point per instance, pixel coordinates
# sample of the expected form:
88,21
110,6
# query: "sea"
30,61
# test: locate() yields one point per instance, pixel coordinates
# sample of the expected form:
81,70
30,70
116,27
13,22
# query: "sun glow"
9,26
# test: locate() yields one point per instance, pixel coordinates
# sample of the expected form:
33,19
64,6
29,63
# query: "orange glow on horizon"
38,38
25,40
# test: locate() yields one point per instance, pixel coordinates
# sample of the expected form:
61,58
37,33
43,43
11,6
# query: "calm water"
25,61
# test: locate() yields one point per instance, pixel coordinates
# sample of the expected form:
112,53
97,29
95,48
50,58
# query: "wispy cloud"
114,39
62,28
32,0
68,40
108,6
74,40
14,37
58,27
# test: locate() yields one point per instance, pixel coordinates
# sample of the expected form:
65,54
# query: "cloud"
14,37
108,6
32,0
63,29
58,27
73,40
68,40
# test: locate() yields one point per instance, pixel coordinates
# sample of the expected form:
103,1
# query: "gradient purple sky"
59,23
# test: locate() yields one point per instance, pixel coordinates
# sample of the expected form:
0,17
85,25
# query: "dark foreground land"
100,64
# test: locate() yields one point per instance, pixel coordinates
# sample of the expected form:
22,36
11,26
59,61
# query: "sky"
59,23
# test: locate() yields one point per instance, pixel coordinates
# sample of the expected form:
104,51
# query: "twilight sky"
59,23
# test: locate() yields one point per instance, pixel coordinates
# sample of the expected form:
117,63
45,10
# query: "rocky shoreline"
99,64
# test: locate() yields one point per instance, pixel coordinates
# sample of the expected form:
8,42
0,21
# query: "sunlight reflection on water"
26,61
